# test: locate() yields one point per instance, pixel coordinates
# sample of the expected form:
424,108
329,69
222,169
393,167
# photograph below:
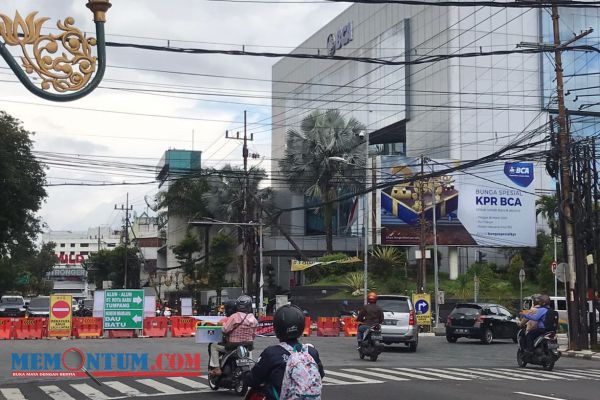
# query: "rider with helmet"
535,317
238,328
370,314
269,371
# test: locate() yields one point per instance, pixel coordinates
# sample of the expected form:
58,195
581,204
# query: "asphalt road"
438,370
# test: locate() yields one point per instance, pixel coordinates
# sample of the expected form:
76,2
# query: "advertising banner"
61,313
489,205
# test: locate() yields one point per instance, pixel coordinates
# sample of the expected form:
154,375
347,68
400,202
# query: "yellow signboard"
302,265
61,313
422,304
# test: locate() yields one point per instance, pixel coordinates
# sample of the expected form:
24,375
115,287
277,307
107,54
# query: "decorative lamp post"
63,62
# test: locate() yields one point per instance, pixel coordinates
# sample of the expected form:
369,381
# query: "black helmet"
244,304
288,323
230,308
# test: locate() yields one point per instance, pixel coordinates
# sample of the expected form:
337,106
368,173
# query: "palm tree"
547,206
307,163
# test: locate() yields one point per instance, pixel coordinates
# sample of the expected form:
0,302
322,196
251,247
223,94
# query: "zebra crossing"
151,387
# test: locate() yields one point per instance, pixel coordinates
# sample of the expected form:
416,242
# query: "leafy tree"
109,265
547,207
515,265
221,251
185,253
31,278
307,163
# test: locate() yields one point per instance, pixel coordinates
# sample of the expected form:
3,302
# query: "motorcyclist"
239,328
288,324
370,314
537,314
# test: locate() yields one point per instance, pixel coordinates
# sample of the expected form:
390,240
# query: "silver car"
400,322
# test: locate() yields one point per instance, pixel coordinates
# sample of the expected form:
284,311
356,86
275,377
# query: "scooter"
371,344
234,364
545,351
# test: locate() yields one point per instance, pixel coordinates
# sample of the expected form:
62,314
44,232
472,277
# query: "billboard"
489,205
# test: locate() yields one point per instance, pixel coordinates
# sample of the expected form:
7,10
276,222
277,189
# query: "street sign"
123,309
522,276
553,266
422,302
562,272
61,311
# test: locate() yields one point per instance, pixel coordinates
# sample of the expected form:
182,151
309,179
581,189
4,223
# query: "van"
559,303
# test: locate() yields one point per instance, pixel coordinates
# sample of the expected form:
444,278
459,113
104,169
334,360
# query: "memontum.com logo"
74,362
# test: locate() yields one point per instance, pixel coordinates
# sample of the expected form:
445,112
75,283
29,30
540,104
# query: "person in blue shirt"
538,315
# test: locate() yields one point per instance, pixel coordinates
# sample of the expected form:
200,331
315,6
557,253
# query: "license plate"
241,363
389,322
461,331
376,337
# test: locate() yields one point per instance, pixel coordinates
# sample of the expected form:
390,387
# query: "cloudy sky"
111,133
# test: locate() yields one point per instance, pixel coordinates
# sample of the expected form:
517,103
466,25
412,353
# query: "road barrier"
30,328
350,326
121,333
156,327
183,326
6,328
307,323
328,326
87,327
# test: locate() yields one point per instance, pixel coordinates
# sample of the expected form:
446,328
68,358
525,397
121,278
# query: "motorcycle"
352,314
371,344
234,364
545,351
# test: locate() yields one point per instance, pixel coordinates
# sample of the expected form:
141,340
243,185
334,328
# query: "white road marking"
332,381
591,372
491,373
352,377
539,396
410,375
89,391
521,374
12,394
122,388
527,373
466,374
161,387
437,374
571,375
375,374
55,392
188,382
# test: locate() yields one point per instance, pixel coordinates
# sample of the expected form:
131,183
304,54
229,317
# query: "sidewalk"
583,354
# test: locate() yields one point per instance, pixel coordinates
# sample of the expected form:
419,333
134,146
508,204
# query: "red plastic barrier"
6,328
156,326
121,333
307,323
183,326
29,328
265,326
350,326
328,326
87,327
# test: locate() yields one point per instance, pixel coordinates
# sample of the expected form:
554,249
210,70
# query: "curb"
582,356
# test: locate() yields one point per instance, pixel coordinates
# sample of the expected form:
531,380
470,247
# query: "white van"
560,304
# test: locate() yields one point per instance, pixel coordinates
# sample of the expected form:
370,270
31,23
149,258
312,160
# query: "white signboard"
149,306
186,306
98,304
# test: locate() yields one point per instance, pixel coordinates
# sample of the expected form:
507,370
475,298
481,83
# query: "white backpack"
301,380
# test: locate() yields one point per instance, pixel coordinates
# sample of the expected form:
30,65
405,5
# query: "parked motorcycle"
234,364
545,351
371,344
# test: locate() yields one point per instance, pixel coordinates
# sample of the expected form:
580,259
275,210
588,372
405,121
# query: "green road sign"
123,309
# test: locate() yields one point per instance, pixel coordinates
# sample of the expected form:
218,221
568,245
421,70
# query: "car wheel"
451,339
487,337
412,347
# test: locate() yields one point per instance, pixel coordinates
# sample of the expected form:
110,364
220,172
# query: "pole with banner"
61,313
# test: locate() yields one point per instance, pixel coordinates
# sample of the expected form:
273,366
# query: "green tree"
386,261
31,279
186,253
109,265
547,207
221,251
307,163
515,265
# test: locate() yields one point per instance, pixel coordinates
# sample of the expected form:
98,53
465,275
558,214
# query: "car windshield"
12,301
466,309
394,305
40,302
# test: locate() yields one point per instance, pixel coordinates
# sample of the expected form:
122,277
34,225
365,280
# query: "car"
12,306
482,321
85,309
39,307
399,324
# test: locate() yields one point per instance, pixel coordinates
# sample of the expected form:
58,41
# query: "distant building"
148,239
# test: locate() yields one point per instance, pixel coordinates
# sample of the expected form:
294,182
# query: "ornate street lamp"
63,62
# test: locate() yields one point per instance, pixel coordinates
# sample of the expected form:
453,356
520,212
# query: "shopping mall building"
459,108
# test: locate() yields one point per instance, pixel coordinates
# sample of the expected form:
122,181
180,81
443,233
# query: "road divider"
6,328
350,326
183,326
30,328
87,327
156,327
328,326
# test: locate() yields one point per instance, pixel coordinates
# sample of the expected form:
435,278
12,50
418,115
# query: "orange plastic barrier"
350,326
307,323
156,327
121,333
29,328
6,328
328,326
183,326
87,327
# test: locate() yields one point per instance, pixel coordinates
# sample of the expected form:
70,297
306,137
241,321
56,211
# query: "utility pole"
126,209
423,233
245,247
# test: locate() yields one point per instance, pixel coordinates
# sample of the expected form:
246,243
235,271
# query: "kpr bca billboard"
489,205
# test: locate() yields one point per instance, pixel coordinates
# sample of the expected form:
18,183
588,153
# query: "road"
438,370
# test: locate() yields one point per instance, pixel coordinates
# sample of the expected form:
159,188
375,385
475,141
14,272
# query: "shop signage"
340,39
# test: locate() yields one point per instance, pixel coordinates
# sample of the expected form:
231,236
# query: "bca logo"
342,37
520,173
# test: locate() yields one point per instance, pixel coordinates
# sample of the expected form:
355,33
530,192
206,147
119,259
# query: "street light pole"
366,217
435,253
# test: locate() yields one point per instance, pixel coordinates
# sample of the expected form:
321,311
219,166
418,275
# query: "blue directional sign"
422,307
422,303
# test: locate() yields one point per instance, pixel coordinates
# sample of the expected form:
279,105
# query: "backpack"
301,379
551,320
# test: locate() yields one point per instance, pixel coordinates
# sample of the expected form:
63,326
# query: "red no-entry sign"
553,266
61,309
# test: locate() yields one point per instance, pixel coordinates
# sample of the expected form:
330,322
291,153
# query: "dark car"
85,309
485,322
39,307
12,306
